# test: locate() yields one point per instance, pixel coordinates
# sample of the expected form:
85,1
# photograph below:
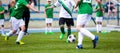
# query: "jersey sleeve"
72,2
24,2
57,4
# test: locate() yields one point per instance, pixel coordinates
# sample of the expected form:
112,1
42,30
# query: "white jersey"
63,12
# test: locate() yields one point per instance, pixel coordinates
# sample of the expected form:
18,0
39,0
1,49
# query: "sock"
50,29
46,29
2,30
100,27
69,32
87,33
62,30
97,28
18,31
10,33
21,33
80,38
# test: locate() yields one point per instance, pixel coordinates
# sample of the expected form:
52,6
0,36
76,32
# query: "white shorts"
99,19
16,23
1,22
49,20
83,19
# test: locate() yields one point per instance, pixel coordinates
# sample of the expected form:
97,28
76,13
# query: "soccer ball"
71,38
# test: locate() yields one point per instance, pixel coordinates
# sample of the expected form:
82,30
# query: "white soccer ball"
71,38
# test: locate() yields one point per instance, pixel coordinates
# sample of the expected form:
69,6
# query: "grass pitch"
41,43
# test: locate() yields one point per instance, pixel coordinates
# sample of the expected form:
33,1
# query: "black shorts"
68,21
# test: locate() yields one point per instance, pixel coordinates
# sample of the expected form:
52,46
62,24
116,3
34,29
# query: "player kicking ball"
65,16
84,15
99,16
17,21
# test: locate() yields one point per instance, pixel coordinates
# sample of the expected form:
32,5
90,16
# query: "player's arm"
31,7
2,12
77,3
45,11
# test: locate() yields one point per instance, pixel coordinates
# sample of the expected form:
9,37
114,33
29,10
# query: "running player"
2,18
17,21
99,16
84,15
65,15
49,17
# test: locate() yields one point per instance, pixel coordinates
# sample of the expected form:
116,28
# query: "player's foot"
20,43
62,36
79,47
46,33
95,41
6,37
67,41
51,32
26,33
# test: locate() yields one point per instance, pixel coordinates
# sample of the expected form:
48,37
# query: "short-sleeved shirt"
85,7
2,15
19,9
106,6
63,12
49,12
99,13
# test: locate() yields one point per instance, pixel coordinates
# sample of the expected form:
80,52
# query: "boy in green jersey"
2,18
17,21
84,15
49,17
99,16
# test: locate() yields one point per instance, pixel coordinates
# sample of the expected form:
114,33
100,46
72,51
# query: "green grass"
41,43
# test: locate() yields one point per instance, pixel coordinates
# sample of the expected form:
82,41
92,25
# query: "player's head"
12,4
49,1
0,3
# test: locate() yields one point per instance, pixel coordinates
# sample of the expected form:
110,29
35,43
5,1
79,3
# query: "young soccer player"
2,18
99,16
65,15
84,15
17,21
49,17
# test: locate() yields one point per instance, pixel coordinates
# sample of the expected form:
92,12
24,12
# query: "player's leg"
21,33
14,26
2,27
99,24
80,26
50,26
47,26
61,24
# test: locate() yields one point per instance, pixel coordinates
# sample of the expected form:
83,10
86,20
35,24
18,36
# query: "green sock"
62,30
69,32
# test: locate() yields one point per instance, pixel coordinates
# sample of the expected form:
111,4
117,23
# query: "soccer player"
2,18
99,16
49,17
65,15
84,15
17,21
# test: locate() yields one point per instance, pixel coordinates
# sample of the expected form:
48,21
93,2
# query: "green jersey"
85,7
49,12
99,13
2,15
19,9
11,10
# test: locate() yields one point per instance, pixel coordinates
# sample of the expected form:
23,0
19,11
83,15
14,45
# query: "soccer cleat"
67,41
79,47
20,43
6,38
62,36
51,32
95,41
46,33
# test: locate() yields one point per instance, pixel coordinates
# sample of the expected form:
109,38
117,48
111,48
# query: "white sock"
80,38
21,33
18,31
87,33
2,30
10,33
100,27
46,29
97,28
50,29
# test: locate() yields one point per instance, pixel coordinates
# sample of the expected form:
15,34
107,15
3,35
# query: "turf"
41,43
